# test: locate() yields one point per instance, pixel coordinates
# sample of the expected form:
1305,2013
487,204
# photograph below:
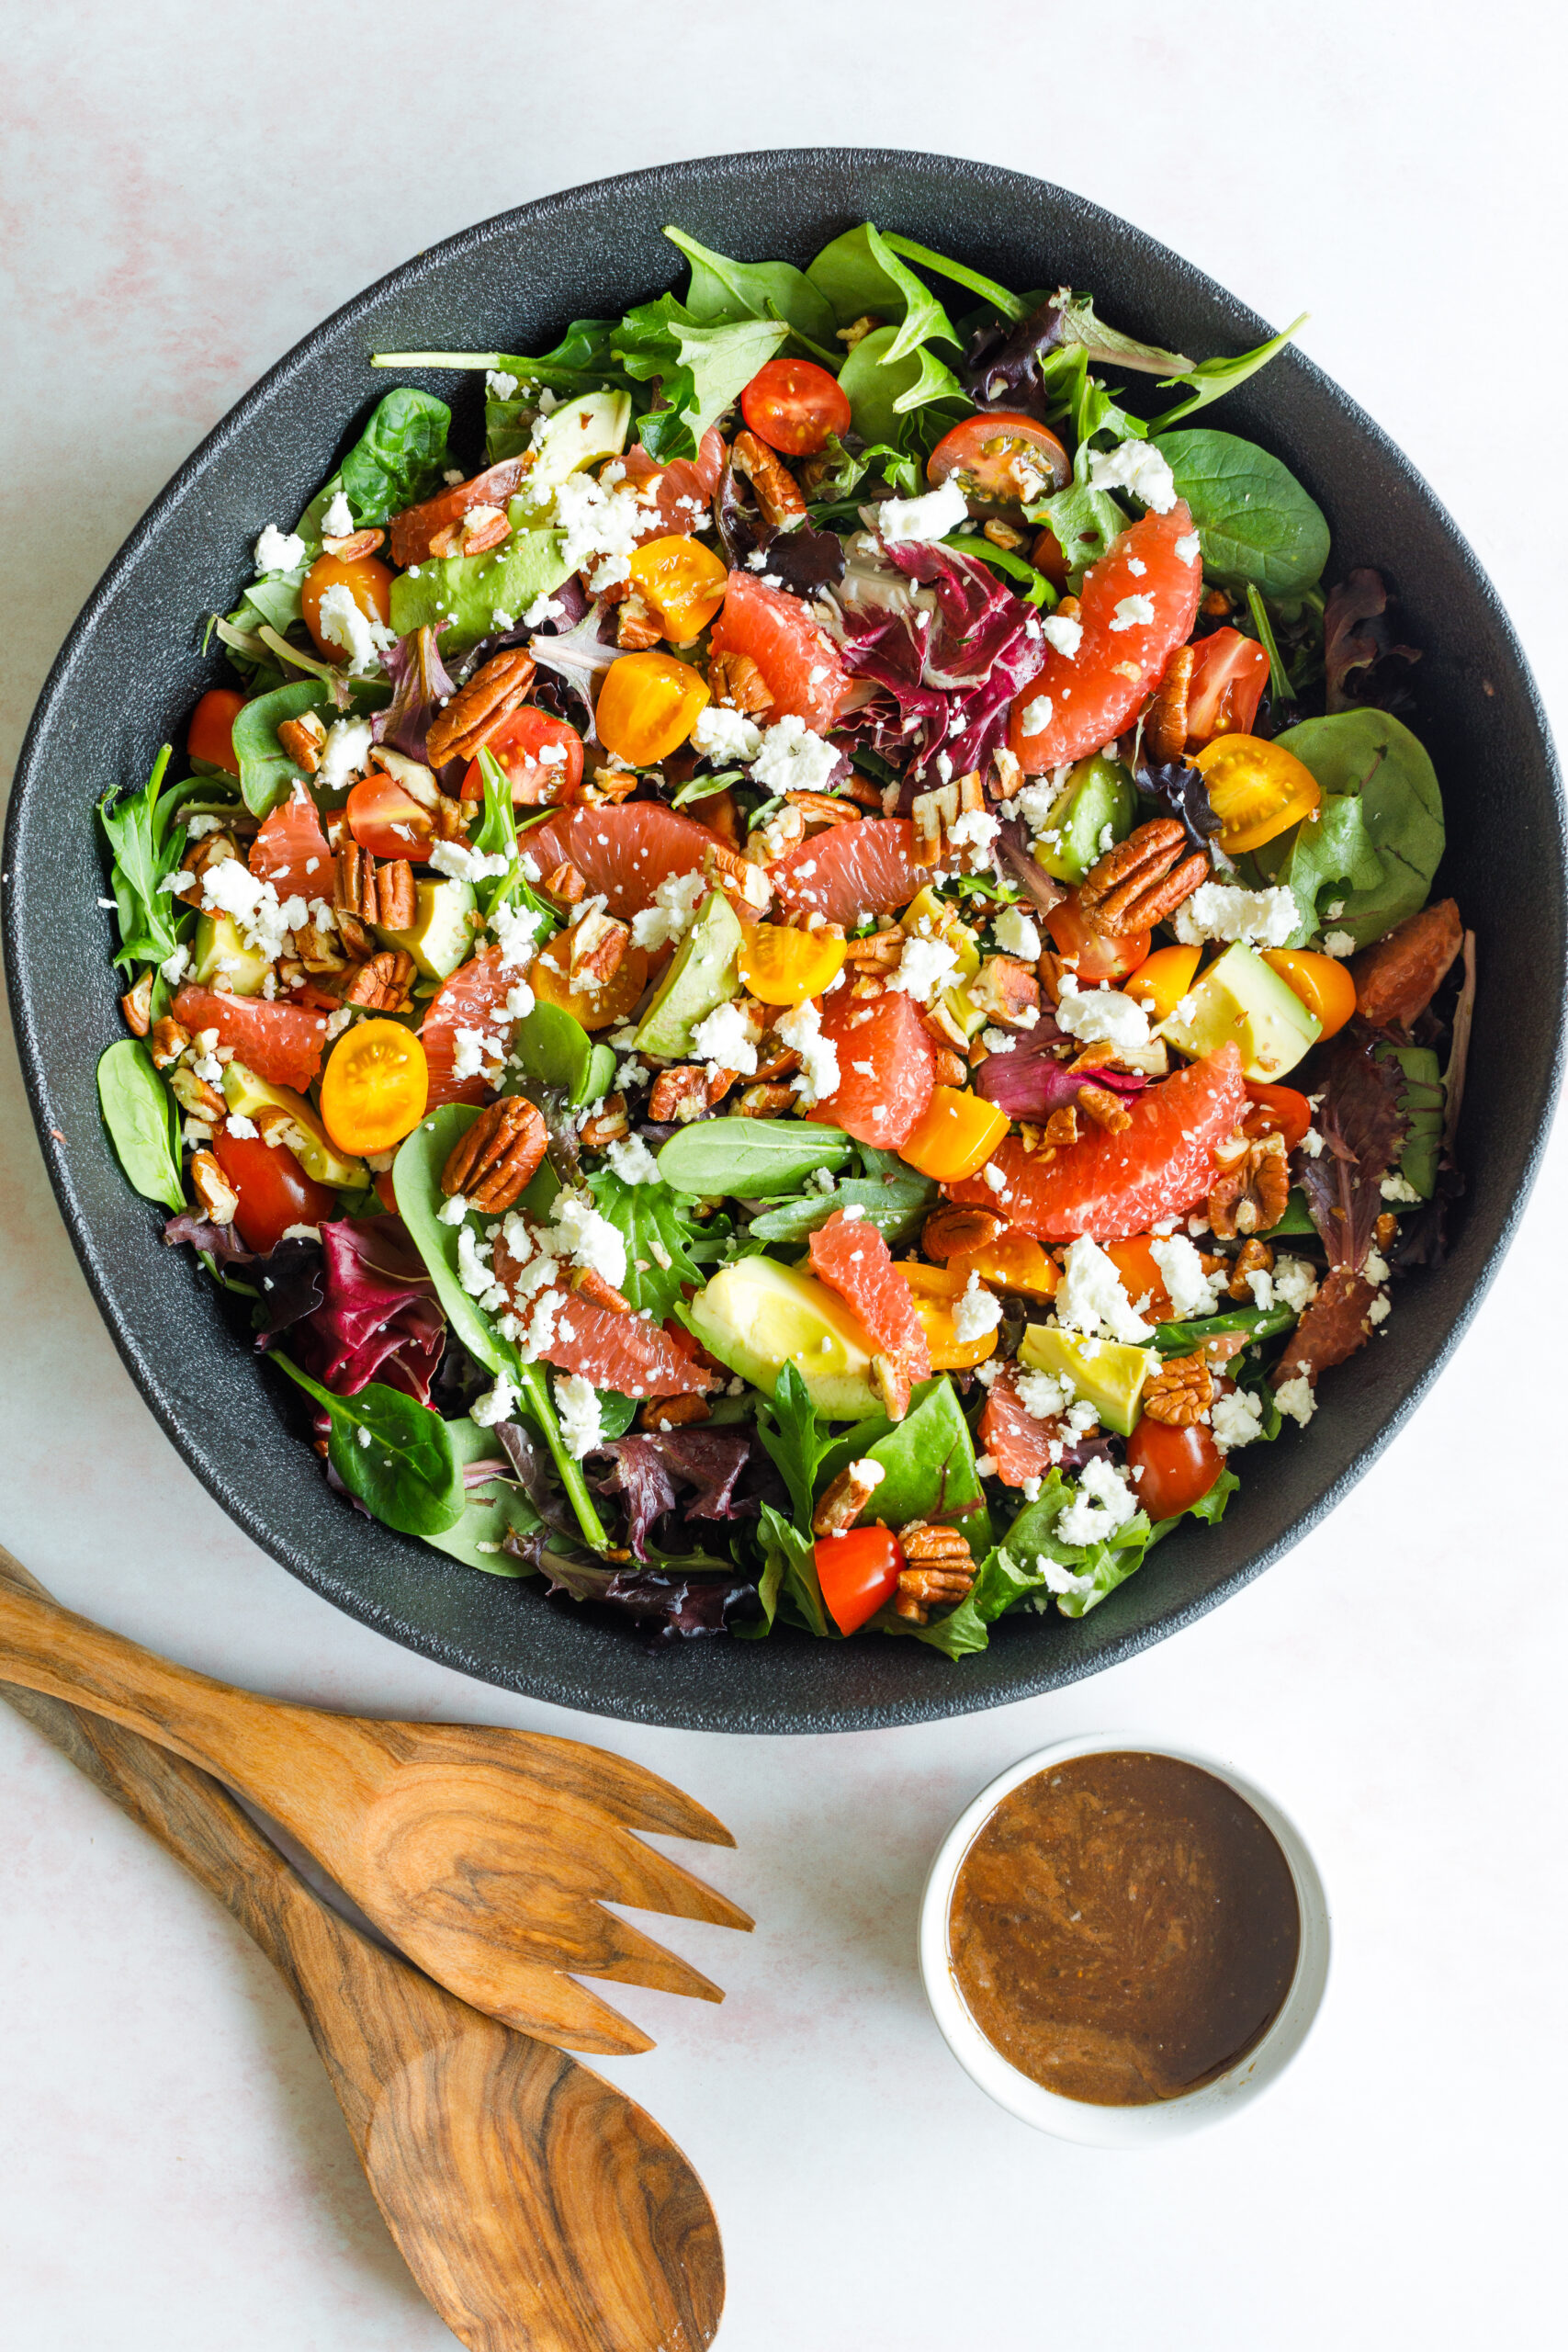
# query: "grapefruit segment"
849,1255
798,659
886,1067
474,997
280,1042
608,1346
624,852
290,850
1016,1442
851,870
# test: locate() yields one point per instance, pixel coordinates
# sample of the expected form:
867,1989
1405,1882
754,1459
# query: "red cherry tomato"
542,755
1276,1110
858,1572
1229,673
1099,955
274,1192
1001,461
387,820
1177,1466
793,406
211,736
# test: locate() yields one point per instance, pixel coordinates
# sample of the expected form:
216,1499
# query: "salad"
809,995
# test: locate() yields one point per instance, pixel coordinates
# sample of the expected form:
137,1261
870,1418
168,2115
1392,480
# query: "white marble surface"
186,190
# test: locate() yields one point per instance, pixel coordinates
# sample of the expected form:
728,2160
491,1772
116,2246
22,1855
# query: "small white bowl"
1076,2119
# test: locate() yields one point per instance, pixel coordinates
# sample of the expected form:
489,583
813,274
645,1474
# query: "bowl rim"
706,1705
1085,2125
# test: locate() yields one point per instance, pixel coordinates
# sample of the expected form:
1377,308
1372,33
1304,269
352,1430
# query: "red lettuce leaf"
1029,1082
1358,649
378,1318
645,1468
419,687
1363,1131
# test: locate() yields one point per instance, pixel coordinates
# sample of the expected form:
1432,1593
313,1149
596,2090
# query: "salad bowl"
511,283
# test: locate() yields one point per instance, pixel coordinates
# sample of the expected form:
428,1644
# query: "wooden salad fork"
486,1855
539,2208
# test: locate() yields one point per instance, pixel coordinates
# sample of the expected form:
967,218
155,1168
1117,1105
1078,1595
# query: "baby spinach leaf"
883,386
143,1121
392,1452
266,769
1372,847
1254,520
145,845
860,275
788,1585
753,1158
701,370
725,289
1083,522
554,1049
491,1513
895,1204
1211,379
470,593
398,459
655,1227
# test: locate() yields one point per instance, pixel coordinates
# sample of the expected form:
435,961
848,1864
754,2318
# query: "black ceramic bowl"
510,285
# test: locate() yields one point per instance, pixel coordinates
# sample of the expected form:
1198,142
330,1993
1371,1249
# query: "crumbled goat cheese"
545,608
1215,910
1065,635
975,1311
924,967
674,910
453,1210
1187,547
801,1031
1104,1503
232,888
499,384
1192,1293
1296,1398
1295,1283
1132,612
1035,716
1399,1188
632,1161
1235,1418
1312,1144
343,624
601,529
998,1040
461,863
724,1041
791,759
576,1409
515,930
173,966
724,734
278,551
338,521
344,754
1338,944
1379,1312
928,517
994,1178
579,1232
474,1055
519,1001
241,1126
1096,1016
473,1271
1043,1396
496,1404
1137,466
975,827
1092,1296
1015,934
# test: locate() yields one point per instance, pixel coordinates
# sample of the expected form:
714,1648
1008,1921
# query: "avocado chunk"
577,433
1098,797
313,1148
1242,1001
221,954
440,936
928,917
702,977
757,1316
1106,1373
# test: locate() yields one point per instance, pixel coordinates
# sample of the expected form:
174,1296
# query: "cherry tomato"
1256,789
681,581
1229,673
1001,461
1177,1466
1099,955
1141,1278
648,706
857,1572
793,406
274,1192
211,736
1160,983
374,1087
542,755
1276,1110
1326,987
367,581
385,819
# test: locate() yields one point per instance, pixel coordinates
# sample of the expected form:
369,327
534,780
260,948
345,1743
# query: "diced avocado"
318,1156
221,954
1423,1105
578,432
757,1316
1095,810
1106,1373
702,977
441,935
928,917
1242,1001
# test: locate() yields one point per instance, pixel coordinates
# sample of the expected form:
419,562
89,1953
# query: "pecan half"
951,1068
819,809
354,882
1250,1194
737,684
769,1102
565,885
1142,880
170,1038
674,1412
598,949
1008,990
302,739
1179,1393
606,785
477,711
952,1232
635,627
679,1094
1252,1258
397,902
493,1162
352,546
607,1126
414,530
195,1095
220,1201
842,1502
382,985
1164,721
778,493
1099,1104
878,951
136,1006
1061,1128
940,1569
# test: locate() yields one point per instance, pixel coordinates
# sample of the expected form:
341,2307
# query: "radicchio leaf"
1363,1130
419,687
378,1318
646,1465
293,1284
1358,649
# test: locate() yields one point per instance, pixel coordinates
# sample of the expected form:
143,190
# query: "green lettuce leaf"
700,370
1371,849
1254,519
655,1225
723,291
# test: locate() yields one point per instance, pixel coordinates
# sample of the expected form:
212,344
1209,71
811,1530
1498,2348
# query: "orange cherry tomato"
1098,956
936,1290
793,406
374,1087
784,966
542,755
1229,673
1323,986
683,581
387,819
274,1192
211,735
1163,979
367,581
955,1135
648,706
1014,1261
596,1004
1141,1277
1001,461
858,1571
1255,788
1171,1469
1276,1110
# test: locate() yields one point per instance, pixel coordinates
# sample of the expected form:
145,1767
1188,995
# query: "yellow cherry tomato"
595,1003
1162,979
368,582
1325,987
648,706
936,1290
955,1135
1014,1261
683,581
374,1087
783,967
1256,789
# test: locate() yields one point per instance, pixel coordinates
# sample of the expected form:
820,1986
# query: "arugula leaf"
790,1430
266,769
1011,306
398,459
883,384
1084,522
725,290
700,370
143,1121
392,1452
860,275
145,845
752,1159
655,1225
467,594
1079,325
1253,517
1211,379
1373,844
491,1513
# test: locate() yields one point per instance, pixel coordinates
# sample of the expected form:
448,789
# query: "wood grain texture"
486,1855
538,2209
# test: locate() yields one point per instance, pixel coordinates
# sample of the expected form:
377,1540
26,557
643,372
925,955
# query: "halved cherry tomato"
784,966
858,1571
1014,1261
1325,987
1256,789
936,1290
1171,1468
542,755
1001,461
683,581
1276,1110
793,406
367,581
1229,673
1163,979
648,706
274,1192
374,1087
1141,1277
955,1135
1097,955
595,1003
211,735
386,819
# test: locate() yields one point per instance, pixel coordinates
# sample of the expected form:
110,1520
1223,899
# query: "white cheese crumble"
1092,1296
632,1161
1235,1418
545,608
576,1409
474,1055
338,520
724,1041
1188,547
925,965
801,1031
975,1311
1097,1016
461,863
232,888
1043,1396
1296,1398
496,1404
579,1232
724,734
601,528
1137,466
1104,1503
1192,1293
928,517
1132,612
499,384
278,551
1217,910
516,932
344,754
791,759
241,1126
674,910
1035,716
1338,944
343,624
1295,1283
1016,935
1398,1188
1065,635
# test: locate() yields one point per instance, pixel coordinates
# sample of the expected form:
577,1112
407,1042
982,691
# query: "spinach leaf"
1083,522
471,593
553,1049
146,845
895,1204
700,370
883,386
391,1452
1254,520
929,1460
655,1224
266,769
722,289
858,276
1258,1322
398,459
788,1585
491,1513
753,1158
790,1430
143,1121
1373,845
1211,379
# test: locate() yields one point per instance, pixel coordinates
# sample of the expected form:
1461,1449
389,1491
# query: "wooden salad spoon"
486,1855
538,2207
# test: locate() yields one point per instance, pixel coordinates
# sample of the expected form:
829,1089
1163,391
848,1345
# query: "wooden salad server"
486,1855
538,2207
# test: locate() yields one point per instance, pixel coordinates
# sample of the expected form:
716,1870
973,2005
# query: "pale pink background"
187,190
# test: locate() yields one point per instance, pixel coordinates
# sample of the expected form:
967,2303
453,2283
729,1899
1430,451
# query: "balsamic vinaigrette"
1124,1929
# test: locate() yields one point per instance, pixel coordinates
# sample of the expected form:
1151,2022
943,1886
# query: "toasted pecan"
478,710
952,1231
1143,880
737,684
493,1162
413,531
1179,1393
1164,721
778,493
1250,1192
382,984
